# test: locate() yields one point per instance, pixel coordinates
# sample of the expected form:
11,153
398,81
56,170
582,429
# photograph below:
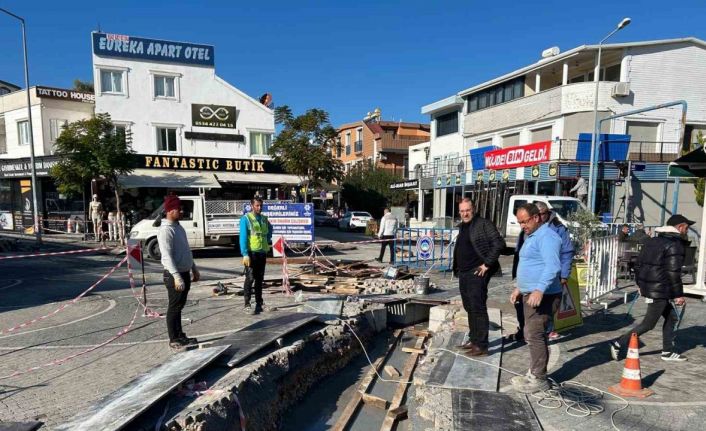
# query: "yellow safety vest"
257,240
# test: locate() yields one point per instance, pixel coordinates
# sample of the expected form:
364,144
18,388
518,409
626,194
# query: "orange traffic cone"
631,383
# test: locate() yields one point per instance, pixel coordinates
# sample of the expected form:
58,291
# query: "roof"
572,52
11,86
379,126
449,102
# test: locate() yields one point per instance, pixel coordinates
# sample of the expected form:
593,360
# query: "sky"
346,57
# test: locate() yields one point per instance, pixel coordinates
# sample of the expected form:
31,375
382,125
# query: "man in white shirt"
580,188
388,226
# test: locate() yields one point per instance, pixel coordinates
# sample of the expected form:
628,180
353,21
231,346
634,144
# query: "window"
112,81
187,209
497,94
511,140
612,73
23,132
164,86
338,147
541,135
348,144
359,141
447,124
641,131
55,128
166,139
260,143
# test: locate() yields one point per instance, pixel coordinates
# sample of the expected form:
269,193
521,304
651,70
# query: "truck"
207,223
562,206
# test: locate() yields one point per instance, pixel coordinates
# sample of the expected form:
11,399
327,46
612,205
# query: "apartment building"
552,101
379,143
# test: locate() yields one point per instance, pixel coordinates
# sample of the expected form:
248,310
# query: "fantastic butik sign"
118,45
515,157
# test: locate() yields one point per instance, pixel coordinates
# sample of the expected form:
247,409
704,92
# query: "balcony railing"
358,145
387,142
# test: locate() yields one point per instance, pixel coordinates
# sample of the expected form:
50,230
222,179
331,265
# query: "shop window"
167,139
447,124
55,128
260,143
111,81
23,132
164,86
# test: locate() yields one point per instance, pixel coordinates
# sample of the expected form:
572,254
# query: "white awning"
169,179
241,177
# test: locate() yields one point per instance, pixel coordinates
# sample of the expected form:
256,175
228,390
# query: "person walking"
581,189
255,243
658,275
179,270
539,286
386,232
566,257
475,260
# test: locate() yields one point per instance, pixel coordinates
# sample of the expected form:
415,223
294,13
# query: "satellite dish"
266,99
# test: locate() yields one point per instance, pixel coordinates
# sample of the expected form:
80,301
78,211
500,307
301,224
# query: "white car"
354,220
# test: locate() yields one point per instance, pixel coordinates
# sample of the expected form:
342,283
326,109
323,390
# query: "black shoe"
189,340
518,337
377,259
178,344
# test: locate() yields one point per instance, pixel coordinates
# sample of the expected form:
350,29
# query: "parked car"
354,220
322,218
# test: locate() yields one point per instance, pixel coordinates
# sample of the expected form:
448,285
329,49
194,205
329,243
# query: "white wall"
196,84
14,150
61,110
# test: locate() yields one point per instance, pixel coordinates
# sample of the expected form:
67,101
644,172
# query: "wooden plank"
398,413
118,409
391,418
374,401
391,371
365,384
413,350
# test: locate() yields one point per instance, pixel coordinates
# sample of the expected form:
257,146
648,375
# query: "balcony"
358,146
562,100
400,143
638,151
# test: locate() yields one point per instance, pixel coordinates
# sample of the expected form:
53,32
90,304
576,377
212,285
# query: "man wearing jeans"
179,270
475,260
388,226
539,285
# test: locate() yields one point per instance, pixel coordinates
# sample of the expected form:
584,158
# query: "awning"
240,177
689,165
169,179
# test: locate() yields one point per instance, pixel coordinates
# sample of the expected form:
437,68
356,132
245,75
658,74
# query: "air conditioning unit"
621,89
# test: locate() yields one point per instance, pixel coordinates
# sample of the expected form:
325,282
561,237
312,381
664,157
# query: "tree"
92,149
84,86
304,147
368,189
699,183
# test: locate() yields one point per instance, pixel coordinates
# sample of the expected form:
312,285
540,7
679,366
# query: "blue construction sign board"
294,222
478,156
612,147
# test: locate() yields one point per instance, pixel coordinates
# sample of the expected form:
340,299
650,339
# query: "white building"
192,128
553,99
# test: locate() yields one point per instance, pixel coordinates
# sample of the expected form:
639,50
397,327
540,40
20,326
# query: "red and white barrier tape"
147,310
56,253
66,304
60,361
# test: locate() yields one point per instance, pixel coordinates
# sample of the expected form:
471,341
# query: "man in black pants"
388,226
658,276
179,270
478,247
255,243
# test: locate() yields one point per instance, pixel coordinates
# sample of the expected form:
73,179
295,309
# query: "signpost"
291,222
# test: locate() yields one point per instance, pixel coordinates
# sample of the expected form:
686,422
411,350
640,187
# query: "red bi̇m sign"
515,157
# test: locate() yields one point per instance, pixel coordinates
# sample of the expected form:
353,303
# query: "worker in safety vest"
255,243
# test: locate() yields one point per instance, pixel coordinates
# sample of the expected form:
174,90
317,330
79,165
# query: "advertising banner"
516,157
27,213
219,116
294,222
6,221
122,46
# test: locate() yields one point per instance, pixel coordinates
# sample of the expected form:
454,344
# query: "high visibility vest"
257,240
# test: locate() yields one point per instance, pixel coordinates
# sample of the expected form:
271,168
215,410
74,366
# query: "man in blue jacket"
255,243
539,286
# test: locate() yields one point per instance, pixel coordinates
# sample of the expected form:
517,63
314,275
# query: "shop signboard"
516,157
292,221
122,46
22,168
404,185
212,164
218,116
64,94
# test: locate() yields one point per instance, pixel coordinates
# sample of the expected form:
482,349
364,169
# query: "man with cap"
255,243
179,270
658,275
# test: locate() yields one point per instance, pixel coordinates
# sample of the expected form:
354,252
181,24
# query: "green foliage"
85,86
368,189
304,147
91,149
582,225
699,183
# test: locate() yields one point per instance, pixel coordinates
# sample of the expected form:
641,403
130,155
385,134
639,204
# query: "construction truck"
207,223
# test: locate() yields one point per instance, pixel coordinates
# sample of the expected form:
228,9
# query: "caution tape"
56,253
66,304
147,310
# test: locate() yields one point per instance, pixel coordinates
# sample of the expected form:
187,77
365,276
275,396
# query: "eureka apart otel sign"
122,46
210,164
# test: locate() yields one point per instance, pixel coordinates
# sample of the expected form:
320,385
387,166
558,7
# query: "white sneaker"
614,350
673,357
530,384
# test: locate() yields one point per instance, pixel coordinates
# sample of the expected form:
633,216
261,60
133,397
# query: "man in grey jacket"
179,270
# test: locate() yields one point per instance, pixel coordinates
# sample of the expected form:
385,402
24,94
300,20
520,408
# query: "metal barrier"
614,228
425,247
603,254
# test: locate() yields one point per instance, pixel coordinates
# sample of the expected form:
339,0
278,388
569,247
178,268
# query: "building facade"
552,100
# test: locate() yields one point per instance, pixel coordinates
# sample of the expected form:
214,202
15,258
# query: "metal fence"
603,255
425,248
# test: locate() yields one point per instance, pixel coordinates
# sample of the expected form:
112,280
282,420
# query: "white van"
561,205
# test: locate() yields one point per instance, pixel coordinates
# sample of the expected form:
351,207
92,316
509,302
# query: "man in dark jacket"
639,236
659,278
475,260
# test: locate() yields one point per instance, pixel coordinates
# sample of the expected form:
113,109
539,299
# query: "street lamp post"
35,209
597,78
